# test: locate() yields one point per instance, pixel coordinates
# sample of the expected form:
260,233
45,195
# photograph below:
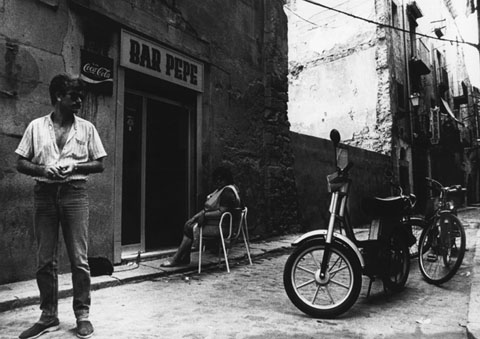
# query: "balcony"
420,62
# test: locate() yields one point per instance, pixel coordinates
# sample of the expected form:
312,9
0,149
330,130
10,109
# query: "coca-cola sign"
96,69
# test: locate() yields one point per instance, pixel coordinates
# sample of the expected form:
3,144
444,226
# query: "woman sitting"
224,198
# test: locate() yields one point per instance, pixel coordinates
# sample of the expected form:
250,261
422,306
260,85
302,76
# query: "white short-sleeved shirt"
40,147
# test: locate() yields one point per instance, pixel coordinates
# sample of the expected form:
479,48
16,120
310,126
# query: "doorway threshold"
129,256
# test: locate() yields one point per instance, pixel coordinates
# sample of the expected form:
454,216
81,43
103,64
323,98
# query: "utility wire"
477,46
325,24
296,14
339,5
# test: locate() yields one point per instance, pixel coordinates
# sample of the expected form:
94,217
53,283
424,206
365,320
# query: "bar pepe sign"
153,59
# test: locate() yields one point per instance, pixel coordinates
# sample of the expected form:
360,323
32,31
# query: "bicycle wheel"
417,232
442,248
396,257
328,297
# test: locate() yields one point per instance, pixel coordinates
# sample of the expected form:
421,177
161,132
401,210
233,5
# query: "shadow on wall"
314,160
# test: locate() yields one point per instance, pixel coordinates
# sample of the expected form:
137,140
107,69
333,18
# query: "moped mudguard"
337,237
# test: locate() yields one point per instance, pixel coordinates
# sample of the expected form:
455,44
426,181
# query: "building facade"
380,73
175,88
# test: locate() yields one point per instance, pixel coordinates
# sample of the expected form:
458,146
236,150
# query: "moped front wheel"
325,297
442,248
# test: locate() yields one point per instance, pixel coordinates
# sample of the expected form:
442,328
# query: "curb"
473,317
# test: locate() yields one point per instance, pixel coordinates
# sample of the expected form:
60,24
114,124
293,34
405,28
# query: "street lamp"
415,99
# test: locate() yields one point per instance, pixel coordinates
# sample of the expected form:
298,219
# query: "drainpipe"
407,77
475,115
407,70
476,118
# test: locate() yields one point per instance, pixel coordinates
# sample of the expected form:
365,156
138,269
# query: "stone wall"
314,160
244,118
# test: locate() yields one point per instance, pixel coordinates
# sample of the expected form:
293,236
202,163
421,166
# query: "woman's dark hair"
61,83
223,173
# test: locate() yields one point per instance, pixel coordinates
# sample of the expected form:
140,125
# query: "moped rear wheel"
327,297
397,263
442,248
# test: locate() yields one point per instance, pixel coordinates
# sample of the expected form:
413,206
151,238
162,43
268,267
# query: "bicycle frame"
442,233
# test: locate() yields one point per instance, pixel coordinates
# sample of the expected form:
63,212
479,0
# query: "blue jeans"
64,204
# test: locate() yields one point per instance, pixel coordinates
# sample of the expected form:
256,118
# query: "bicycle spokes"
442,247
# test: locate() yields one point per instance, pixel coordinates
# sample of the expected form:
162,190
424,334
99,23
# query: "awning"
450,113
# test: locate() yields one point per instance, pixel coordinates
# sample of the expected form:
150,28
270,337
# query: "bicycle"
442,242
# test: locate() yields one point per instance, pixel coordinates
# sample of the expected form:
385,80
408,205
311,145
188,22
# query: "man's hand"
54,172
67,170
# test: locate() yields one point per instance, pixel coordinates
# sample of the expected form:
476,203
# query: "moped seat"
384,207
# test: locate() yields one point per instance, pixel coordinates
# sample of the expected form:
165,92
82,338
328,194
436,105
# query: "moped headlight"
450,205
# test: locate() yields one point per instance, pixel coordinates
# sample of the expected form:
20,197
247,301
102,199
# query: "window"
400,95
395,21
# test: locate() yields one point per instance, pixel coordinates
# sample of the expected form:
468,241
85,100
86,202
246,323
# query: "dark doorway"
166,201
157,153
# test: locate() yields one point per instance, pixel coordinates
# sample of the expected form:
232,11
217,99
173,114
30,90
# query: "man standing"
59,150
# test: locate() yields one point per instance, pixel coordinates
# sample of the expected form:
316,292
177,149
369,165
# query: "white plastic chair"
233,234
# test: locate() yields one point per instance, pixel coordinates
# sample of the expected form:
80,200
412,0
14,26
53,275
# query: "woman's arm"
228,201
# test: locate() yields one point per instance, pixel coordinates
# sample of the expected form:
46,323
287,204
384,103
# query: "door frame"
194,154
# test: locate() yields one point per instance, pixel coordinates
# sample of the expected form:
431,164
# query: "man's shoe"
84,329
38,329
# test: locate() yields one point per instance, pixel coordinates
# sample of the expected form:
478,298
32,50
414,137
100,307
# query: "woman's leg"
182,256
183,252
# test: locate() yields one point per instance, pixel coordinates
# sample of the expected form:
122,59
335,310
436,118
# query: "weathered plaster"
338,94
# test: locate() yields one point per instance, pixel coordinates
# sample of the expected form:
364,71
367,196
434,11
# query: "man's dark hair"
224,173
61,83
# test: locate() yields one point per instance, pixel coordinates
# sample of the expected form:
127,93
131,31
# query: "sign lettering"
95,68
97,71
153,59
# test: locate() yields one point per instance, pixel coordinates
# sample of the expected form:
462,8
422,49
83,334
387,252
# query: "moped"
323,274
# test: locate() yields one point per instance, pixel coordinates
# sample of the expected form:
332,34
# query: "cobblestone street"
250,302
